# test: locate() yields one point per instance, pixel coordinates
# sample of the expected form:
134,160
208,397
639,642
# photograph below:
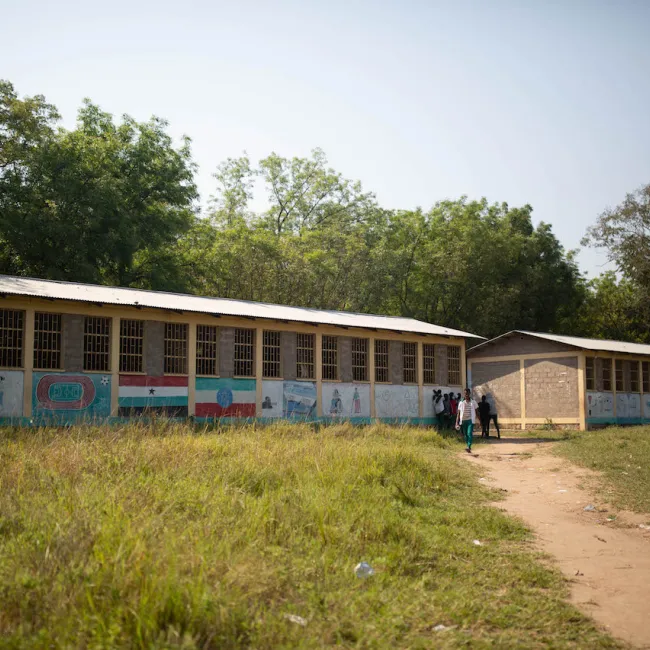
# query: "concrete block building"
534,378
71,353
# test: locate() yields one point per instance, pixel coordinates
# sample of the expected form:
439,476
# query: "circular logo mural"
224,397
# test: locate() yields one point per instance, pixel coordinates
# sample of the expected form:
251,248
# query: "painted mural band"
11,394
225,398
289,399
153,396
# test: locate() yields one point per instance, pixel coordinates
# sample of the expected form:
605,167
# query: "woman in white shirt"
467,416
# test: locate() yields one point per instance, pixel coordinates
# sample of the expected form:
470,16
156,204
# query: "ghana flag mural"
225,398
142,395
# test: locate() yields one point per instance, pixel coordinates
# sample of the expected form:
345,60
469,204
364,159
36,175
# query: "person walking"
493,416
484,413
467,416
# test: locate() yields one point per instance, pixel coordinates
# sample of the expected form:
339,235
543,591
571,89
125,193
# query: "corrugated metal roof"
221,306
578,342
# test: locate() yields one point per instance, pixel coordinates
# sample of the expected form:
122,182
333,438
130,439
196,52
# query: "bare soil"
603,553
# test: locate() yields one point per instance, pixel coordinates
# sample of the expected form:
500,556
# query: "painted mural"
289,399
628,406
144,395
225,398
11,393
646,406
427,406
346,400
69,397
396,402
600,406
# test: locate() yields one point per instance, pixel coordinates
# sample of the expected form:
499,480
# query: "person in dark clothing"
484,414
493,416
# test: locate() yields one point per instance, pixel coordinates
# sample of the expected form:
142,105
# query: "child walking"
467,416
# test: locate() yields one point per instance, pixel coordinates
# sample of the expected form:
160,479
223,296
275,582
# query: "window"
590,376
305,356
330,357
429,363
453,365
47,341
645,374
11,338
244,353
634,377
381,361
607,374
97,343
176,348
207,346
620,384
271,354
359,359
409,361
131,345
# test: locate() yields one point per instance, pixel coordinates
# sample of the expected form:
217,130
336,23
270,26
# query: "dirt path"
607,562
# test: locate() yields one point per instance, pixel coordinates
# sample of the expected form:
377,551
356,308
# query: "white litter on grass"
590,508
294,618
561,490
442,628
482,479
476,542
363,570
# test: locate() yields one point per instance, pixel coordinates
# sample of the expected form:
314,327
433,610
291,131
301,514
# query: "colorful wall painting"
272,399
427,406
299,400
144,395
646,406
225,398
628,406
11,393
396,402
346,400
67,398
600,406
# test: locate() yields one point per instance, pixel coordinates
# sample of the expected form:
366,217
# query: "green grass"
622,455
168,538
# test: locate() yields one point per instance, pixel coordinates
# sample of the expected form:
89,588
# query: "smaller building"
533,379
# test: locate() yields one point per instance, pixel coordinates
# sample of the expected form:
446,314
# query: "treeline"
115,202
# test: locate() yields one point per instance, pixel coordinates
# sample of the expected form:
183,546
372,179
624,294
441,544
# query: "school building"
72,352
533,379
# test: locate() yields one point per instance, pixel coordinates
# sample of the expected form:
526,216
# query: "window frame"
327,350
361,353
17,334
129,355
635,377
459,371
429,360
239,346
98,337
608,365
619,371
382,355
274,349
207,342
645,377
411,366
590,364
40,349
169,343
305,356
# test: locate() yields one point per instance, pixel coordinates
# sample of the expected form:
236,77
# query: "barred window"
409,361
429,363
271,354
176,348
634,377
244,353
590,375
12,324
359,359
645,375
97,343
381,361
305,356
131,345
607,374
207,346
330,357
47,341
620,380
453,365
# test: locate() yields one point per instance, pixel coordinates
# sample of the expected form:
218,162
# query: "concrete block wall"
154,348
345,358
72,342
552,388
289,355
501,380
395,362
226,351
519,344
442,365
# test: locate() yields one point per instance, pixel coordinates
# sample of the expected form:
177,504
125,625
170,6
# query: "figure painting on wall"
267,403
356,400
336,405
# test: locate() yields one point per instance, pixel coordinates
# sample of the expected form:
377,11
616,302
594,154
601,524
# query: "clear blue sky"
530,101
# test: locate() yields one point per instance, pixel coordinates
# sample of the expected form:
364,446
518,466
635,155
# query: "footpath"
602,551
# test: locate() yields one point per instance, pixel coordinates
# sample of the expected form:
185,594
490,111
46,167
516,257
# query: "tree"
94,204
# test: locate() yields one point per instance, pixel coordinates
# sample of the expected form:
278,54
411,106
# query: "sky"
532,101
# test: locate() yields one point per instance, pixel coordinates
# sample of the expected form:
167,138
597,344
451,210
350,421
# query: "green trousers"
467,427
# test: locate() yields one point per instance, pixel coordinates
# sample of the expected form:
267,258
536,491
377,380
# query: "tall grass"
164,537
